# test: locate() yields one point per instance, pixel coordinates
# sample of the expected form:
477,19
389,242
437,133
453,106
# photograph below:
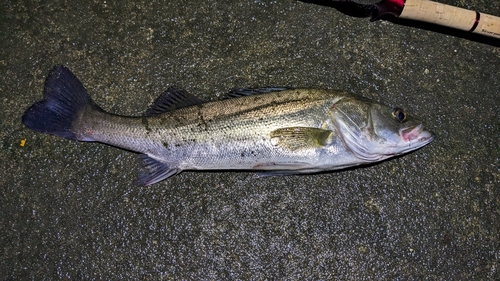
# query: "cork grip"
451,16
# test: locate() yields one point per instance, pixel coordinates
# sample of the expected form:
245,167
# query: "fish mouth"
416,134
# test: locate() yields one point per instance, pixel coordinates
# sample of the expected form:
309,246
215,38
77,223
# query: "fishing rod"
436,13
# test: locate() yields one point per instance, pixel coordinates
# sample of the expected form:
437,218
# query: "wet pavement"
71,210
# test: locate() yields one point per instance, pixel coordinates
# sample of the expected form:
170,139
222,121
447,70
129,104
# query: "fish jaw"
414,138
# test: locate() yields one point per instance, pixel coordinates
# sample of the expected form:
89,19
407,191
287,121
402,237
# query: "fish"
273,131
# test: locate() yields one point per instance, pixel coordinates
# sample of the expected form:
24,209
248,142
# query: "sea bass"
271,130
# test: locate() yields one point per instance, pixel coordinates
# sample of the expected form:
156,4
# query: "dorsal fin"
172,99
235,93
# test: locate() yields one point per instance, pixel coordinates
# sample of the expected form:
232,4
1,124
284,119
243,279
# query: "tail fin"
64,97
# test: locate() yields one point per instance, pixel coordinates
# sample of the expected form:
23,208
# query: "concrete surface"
70,210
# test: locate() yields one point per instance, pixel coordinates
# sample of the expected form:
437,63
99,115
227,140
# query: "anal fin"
153,171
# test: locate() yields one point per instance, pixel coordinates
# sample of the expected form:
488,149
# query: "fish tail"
64,98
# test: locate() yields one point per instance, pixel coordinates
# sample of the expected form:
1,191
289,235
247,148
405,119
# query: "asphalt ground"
71,210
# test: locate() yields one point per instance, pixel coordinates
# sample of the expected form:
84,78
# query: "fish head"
374,132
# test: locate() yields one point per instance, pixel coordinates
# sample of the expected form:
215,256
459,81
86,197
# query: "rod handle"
450,16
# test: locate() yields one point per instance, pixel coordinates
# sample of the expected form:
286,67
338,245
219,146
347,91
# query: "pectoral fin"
297,138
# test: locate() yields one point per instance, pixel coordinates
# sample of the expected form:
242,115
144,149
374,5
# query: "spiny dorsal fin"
296,138
172,99
236,93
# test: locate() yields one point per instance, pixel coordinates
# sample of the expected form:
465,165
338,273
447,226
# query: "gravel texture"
70,210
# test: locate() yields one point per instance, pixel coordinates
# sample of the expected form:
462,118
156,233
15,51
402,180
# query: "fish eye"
399,114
